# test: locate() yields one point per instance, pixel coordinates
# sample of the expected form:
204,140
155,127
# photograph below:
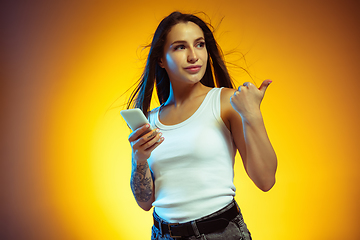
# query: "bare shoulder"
226,94
227,110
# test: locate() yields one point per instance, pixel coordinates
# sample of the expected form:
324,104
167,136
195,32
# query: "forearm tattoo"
141,185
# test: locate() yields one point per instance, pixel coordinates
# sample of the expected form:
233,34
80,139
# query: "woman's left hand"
247,99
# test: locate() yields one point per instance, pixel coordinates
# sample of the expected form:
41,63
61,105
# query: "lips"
193,69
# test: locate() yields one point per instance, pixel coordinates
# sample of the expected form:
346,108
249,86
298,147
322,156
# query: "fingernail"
157,130
147,125
269,82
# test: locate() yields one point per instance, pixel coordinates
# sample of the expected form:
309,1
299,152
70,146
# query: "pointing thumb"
264,85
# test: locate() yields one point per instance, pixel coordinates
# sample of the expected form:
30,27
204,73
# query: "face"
185,55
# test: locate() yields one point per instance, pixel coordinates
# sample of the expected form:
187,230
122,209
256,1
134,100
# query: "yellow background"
65,163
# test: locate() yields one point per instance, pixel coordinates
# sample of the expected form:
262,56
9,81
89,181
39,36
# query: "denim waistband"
222,210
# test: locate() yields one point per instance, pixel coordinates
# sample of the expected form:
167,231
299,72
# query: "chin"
196,78
193,81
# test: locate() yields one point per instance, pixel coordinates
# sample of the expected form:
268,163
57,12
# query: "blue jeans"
236,230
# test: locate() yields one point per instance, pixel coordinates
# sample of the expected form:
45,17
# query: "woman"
184,165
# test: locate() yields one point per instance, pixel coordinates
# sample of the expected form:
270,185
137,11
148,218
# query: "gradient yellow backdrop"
65,160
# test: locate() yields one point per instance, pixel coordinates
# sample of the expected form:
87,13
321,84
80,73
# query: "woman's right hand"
143,144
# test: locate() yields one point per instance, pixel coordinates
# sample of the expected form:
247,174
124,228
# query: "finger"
147,147
153,143
264,85
138,132
145,138
151,134
247,84
157,143
144,151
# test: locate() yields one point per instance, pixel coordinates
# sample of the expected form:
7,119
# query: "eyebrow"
177,42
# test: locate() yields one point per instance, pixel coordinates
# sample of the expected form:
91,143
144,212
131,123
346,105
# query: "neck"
181,94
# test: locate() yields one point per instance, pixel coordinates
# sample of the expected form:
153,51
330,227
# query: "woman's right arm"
141,181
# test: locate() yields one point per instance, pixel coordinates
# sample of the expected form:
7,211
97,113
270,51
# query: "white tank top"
193,167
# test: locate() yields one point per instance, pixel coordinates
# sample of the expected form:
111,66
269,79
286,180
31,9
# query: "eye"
179,47
200,44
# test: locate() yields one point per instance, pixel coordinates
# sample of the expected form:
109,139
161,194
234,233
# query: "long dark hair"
155,75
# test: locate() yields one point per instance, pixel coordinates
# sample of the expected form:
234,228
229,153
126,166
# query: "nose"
192,57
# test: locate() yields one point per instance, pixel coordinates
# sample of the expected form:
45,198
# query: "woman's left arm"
243,117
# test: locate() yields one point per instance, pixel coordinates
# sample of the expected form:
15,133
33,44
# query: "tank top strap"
216,104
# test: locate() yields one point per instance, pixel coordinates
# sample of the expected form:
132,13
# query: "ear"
160,62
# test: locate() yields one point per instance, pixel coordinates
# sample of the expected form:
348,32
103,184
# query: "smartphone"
134,118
